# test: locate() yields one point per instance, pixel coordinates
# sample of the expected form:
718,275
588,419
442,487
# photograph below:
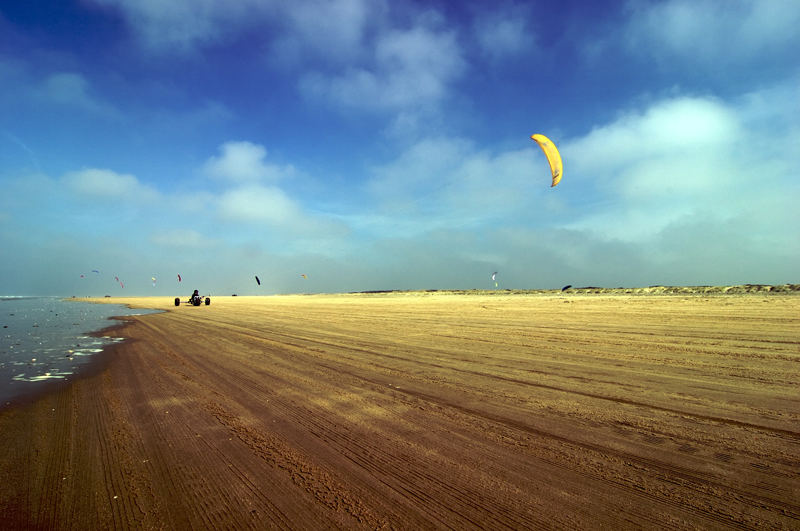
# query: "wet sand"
419,411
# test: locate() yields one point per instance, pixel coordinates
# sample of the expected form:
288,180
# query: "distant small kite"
179,277
304,276
565,288
95,271
154,281
258,280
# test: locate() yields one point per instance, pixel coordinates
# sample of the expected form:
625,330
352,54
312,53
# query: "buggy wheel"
177,301
208,301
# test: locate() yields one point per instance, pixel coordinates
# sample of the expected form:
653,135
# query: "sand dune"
418,410
596,290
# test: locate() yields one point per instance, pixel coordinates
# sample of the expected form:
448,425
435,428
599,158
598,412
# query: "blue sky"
386,145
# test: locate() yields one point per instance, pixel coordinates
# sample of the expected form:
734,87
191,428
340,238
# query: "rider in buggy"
195,299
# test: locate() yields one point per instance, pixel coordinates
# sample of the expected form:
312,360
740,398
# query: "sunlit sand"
424,410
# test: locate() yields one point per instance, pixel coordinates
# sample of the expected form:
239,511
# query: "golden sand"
423,410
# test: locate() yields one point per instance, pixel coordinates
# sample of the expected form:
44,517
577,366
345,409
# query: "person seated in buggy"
195,297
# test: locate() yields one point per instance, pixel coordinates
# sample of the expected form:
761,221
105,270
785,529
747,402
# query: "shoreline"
50,341
90,367
330,411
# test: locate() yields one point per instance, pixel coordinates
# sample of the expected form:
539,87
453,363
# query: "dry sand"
414,410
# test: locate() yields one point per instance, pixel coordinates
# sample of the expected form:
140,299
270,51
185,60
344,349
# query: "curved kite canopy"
553,157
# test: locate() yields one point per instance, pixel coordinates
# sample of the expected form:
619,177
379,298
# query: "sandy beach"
421,411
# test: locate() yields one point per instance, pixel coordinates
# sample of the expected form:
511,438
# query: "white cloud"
183,25
271,207
664,149
21,82
448,182
71,89
257,203
422,167
66,88
370,56
714,30
244,162
689,162
330,29
504,33
182,238
408,69
104,183
255,200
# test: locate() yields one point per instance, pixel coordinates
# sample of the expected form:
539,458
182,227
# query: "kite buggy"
195,300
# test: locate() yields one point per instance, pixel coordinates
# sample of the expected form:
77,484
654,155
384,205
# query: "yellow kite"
553,157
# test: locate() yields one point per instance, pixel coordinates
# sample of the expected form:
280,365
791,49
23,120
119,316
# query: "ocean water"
47,338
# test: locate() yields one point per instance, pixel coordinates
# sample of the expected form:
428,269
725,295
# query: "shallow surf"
48,338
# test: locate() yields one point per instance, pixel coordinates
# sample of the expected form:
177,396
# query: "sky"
381,145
